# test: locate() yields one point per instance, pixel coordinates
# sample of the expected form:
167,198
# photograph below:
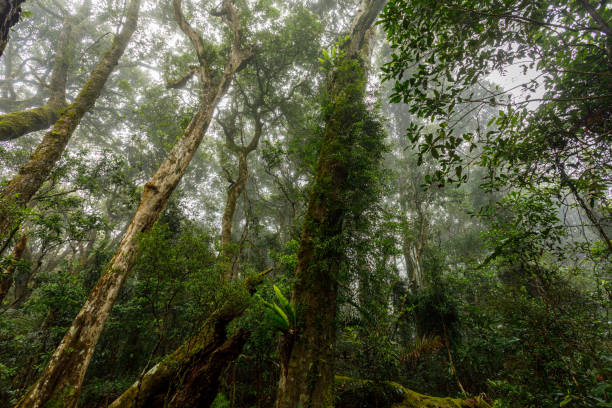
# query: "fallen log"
357,393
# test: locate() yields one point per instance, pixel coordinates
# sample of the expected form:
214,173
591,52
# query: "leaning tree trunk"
9,16
16,124
33,174
189,377
62,378
307,374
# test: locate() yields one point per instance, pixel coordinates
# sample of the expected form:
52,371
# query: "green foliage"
279,316
443,51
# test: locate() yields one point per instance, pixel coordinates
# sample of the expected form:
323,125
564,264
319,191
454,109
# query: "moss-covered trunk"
307,374
33,174
189,377
9,16
62,378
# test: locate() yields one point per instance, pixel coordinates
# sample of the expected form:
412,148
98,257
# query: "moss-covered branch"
16,124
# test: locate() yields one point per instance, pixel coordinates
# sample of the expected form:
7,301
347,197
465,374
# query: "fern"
422,345
279,316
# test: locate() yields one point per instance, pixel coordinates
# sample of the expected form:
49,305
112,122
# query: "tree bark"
6,281
63,376
307,374
31,176
9,16
198,362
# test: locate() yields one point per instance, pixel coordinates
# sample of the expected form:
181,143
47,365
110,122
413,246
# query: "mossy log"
357,393
189,377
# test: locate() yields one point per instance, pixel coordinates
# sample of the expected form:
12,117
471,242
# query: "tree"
18,192
307,373
64,374
566,46
17,124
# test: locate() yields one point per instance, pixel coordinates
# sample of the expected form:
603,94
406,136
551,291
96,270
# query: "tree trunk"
197,364
597,225
31,176
9,16
307,375
17,124
6,281
62,378
227,251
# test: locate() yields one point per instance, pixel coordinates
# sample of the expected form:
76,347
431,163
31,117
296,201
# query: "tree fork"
236,188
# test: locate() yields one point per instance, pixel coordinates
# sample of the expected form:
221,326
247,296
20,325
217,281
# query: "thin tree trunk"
589,213
198,363
226,254
307,358
6,281
30,178
9,16
63,376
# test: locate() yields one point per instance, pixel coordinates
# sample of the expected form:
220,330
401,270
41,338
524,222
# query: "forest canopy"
262,203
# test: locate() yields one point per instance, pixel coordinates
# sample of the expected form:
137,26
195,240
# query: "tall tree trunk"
62,378
6,281
17,124
32,175
307,360
226,255
198,363
9,16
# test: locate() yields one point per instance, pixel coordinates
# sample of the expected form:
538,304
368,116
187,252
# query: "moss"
16,124
62,399
356,393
